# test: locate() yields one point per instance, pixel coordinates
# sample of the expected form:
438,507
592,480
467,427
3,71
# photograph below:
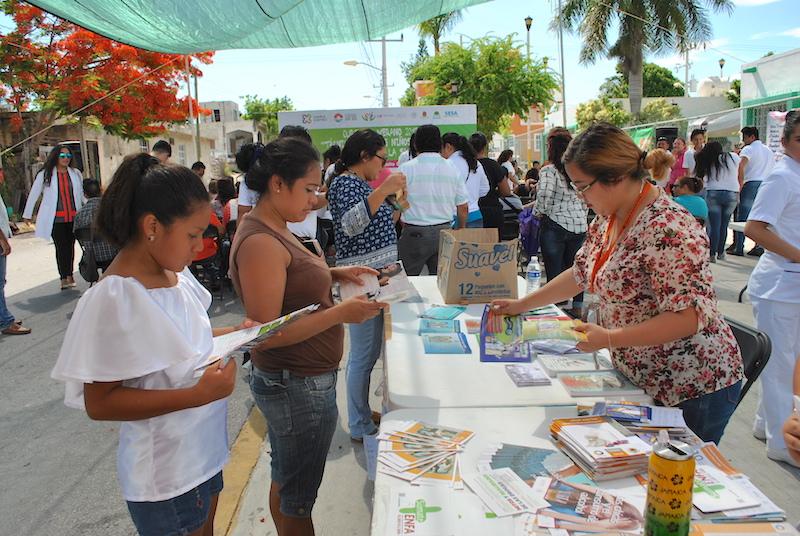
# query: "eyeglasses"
580,192
383,159
64,155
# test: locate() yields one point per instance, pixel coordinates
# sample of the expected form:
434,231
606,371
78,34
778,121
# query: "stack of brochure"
601,447
420,452
645,421
527,462
527,374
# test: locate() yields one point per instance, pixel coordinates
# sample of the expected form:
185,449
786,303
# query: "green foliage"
265,111
490,72
657,110
601,110
436,27
734,94
658,82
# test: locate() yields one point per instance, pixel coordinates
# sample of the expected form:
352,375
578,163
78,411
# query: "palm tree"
436,27
645,26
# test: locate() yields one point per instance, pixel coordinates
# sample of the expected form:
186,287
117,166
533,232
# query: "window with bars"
182,154
144,147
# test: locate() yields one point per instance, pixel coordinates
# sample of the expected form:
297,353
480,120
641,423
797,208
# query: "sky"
316,78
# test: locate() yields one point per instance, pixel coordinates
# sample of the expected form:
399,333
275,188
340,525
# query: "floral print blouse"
661,264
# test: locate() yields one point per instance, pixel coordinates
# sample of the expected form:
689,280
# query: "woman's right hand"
394,183
358,309
216,382
509,307
791,435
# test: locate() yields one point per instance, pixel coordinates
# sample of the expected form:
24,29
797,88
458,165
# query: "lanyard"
607,249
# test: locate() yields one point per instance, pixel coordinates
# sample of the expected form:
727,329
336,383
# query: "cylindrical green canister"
669,490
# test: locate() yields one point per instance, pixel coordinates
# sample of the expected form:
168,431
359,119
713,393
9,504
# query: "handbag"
87,266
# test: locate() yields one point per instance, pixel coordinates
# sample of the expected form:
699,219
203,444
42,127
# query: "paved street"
58,467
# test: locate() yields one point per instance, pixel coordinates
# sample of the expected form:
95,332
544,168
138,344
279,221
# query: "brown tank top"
308,281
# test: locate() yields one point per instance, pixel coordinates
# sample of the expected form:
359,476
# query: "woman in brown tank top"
294,375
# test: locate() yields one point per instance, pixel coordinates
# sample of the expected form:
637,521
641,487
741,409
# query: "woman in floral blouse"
365,236
647,261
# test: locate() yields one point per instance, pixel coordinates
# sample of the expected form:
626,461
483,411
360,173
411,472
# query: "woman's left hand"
597,337
246,323
352,274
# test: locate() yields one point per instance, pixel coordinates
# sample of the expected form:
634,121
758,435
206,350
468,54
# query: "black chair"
755,347
209,271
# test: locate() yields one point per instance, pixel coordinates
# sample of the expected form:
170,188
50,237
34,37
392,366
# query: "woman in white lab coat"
774,288
61,188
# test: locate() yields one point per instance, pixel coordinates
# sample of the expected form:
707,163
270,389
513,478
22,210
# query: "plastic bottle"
533,275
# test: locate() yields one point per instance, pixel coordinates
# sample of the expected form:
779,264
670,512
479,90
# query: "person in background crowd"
457,150
366,236
719,171
685,192
678,168
531,182
756,164
663,144
646,260
774,288
226,194
490,204
660,163
329,158
324,216
698,141
436,192
103,251
409,153
136,341
61,188
162,150
293,381
564,214
504,159
8,324
199,169
213,192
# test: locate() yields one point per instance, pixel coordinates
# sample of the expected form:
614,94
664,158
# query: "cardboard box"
475,267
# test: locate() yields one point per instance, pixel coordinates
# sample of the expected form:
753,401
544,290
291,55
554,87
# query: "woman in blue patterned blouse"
365,236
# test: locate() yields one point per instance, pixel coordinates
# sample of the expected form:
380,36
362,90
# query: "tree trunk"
636,81
436,44
87,161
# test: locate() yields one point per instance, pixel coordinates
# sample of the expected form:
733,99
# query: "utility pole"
191,105
528,23
561,53
197,120
384,77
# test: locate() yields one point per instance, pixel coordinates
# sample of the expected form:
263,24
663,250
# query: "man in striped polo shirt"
436,194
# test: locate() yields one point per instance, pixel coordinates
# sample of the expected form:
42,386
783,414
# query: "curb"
236,474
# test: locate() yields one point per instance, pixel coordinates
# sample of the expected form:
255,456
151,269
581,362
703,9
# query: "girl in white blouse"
132,350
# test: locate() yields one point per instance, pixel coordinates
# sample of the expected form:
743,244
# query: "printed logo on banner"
451,113
436,114
307,119
368,116
338,117
424,113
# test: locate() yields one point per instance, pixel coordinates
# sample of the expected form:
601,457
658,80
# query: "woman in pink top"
678,169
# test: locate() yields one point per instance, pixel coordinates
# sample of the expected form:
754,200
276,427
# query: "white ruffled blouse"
149,339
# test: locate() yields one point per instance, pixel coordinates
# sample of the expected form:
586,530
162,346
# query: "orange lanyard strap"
606,250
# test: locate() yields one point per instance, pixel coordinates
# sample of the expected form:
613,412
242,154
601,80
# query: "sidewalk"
344,506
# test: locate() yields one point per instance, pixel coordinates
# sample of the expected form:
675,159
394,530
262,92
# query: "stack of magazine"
527,374
601,447
646,421
422,453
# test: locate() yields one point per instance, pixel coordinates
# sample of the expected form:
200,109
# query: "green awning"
186,26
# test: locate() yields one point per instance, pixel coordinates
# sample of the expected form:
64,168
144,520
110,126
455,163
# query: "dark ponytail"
141,185
361,144
289,158
461,144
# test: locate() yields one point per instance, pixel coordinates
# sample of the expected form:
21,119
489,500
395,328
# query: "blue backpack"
529,231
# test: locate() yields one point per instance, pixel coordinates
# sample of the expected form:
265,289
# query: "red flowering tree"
54,67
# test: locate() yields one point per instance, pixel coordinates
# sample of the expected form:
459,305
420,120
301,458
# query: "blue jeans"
721,204
746,198
559,247
6,318
301,417
178,516
708,415
366,341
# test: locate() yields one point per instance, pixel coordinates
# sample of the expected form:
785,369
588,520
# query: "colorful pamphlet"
600,383
428,325
583,362
527,375
504,492
391,285
715,491
503,343
473,326
243,339
446,343
443,312
527,462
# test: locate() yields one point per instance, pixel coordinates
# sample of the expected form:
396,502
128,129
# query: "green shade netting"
186,26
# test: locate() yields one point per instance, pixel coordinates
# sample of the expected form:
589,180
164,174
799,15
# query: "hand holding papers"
390,286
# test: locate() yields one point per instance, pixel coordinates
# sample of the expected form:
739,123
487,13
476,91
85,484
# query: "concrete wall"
228,111
771,77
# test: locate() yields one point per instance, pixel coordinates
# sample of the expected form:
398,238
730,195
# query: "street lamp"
528,23
384,85
721,65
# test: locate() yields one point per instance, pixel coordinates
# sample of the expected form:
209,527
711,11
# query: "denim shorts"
178,516
301,416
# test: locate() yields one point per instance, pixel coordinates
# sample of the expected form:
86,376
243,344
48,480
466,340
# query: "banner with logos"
328,127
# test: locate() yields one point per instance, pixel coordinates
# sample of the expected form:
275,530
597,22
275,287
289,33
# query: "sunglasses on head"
64,155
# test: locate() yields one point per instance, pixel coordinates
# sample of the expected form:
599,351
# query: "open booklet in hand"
390,286
244,339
